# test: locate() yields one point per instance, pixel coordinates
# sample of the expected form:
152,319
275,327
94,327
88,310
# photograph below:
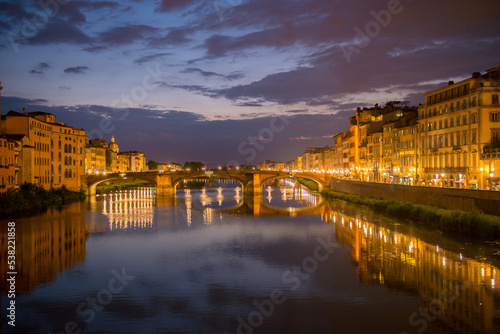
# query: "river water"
216,261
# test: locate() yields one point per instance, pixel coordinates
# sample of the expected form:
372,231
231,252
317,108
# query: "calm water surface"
217,262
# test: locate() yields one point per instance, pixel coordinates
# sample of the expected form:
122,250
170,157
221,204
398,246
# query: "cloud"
229,77
220,45
126,34
56,32
40,68
171,5
173,37
196,138
76,70
12,10
151,57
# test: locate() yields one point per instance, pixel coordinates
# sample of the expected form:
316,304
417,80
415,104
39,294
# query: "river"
215,261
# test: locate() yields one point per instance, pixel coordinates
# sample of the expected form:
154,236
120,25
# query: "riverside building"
459,133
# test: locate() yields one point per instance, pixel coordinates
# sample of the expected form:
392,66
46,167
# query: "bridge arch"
180,178
319,181
93,182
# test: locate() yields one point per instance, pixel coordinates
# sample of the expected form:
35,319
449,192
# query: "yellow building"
460,133
52,154
101,157
8,164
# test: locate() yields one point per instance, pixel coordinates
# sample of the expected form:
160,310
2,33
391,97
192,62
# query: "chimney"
476,74
451,82
24,111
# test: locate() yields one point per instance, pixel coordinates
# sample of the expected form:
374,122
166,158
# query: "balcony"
437,170
492,151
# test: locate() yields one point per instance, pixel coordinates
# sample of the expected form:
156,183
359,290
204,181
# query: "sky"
233,81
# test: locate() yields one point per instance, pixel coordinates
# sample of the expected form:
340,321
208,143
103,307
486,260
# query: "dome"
113,146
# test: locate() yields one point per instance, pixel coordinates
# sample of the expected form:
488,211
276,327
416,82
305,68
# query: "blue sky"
203,80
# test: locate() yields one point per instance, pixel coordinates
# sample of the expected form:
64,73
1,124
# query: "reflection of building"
44,248
466,290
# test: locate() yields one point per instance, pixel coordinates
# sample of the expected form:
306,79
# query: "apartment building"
459,133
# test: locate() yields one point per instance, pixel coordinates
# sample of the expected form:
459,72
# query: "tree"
109,160
194,165
152,165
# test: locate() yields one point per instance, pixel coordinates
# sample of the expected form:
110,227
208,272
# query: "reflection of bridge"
166,183
253,204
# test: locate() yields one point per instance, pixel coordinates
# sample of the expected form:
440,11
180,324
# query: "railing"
446,170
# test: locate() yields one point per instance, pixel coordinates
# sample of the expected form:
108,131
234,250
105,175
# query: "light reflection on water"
203,260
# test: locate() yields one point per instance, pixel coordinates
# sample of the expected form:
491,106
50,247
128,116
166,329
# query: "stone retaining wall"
446,198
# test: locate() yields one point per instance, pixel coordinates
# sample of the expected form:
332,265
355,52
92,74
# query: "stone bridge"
166,183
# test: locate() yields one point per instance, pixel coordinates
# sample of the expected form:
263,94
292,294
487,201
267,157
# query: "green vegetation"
31,199
194,165
109,159
468,222
152,165
108,187
308,183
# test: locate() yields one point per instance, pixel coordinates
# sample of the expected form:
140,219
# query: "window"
495,137
474,137
494,98
464,120
474,118
451,122
494,116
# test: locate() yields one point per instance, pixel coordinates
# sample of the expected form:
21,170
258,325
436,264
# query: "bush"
31,199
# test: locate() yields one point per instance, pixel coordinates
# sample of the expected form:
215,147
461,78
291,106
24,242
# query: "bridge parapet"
166,182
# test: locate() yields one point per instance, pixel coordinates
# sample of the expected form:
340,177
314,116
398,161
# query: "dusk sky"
202,80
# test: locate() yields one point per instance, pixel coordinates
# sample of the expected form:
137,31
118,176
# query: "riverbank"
468,222
31,199
118,186
308,183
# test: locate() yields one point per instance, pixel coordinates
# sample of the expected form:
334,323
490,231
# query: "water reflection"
461,292
44,247
202,257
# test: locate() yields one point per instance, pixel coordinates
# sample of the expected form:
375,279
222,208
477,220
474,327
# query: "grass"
308,183
31,199
468,222
106,188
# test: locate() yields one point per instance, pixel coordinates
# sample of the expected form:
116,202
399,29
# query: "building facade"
460,133
51,154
